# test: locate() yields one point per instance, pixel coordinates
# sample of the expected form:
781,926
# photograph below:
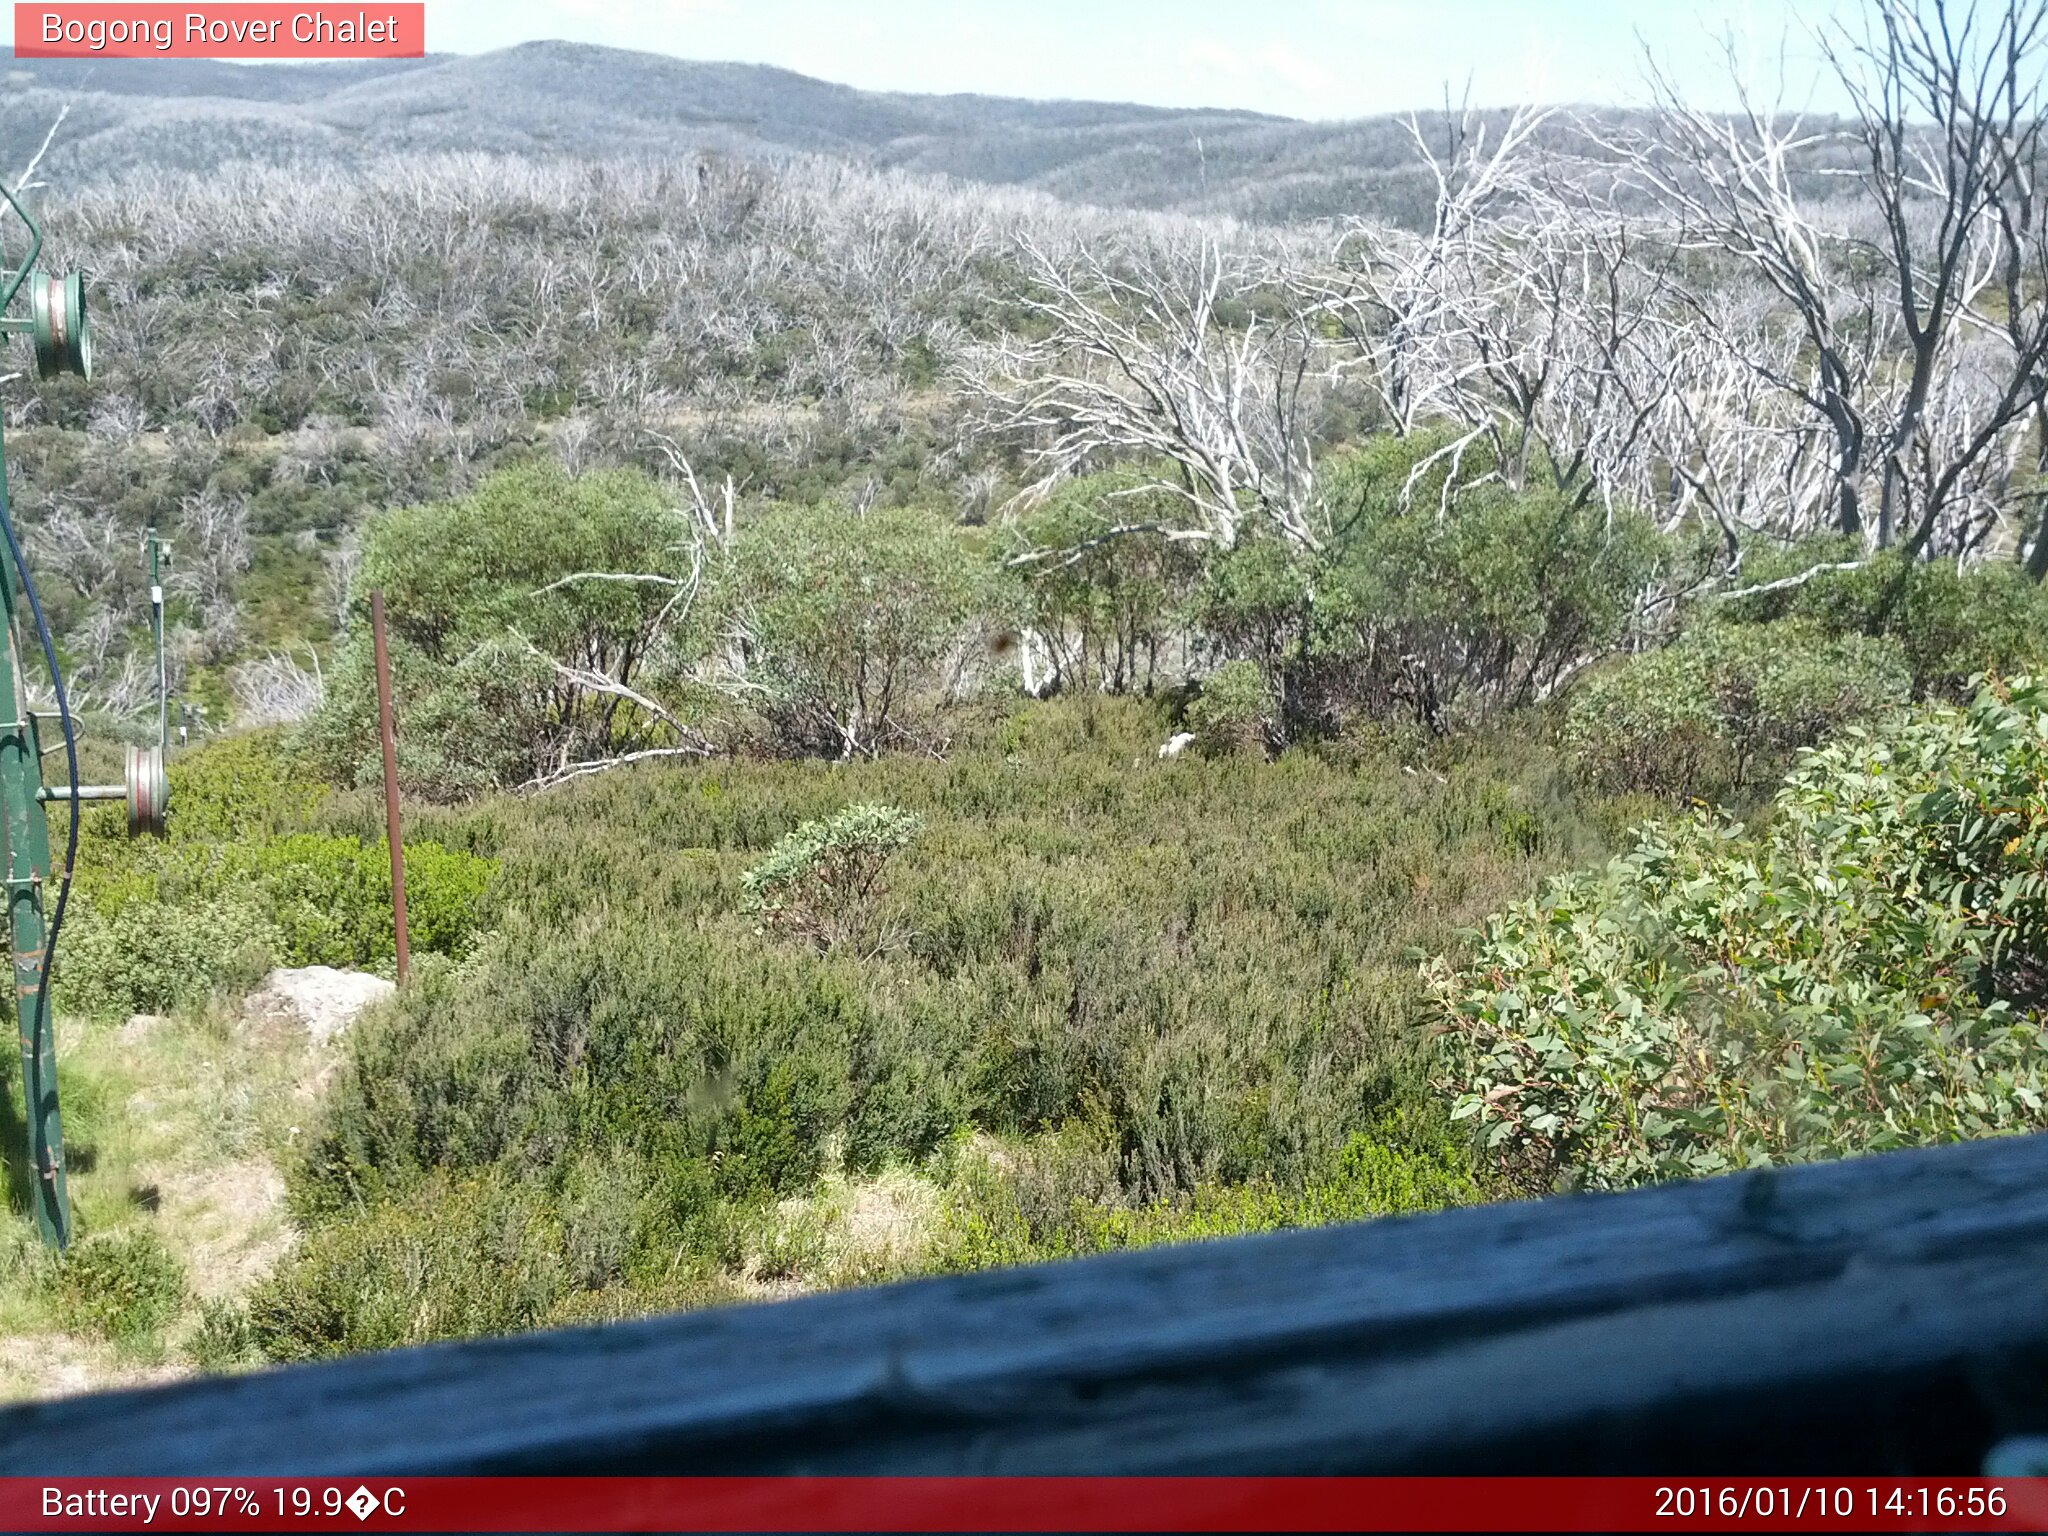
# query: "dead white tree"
712,520
1565,310
1398,295
1963,465
1733,446
274,689
1529,310
1940,149
1730,184
1948,109
2022,285
1184,355
123,688
25,179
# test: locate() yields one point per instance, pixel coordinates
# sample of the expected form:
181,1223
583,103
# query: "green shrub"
1234,711
186,919
1950,624
1256,602
151,956
604,1202
123,1285
243,883
786,1246
1058,1197
1725,707
856,625
224,1338
479,611
330,898
1105,605
822,881
1443,595
1201,966
456,1260
1459,617
447,1078
239,788
1865,971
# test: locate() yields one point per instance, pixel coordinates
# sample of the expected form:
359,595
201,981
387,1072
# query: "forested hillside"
950,720
563,99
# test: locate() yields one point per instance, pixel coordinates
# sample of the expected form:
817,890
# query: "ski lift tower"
58,328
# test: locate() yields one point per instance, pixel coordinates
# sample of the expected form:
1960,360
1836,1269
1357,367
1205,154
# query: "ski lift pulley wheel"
62,329
149,792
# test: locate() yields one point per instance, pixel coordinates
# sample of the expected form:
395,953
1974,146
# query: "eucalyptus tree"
1183,353
1892,290
1396,294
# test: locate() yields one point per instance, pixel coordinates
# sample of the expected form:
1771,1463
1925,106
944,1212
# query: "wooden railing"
1886,1314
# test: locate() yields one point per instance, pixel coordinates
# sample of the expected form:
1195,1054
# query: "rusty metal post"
388,729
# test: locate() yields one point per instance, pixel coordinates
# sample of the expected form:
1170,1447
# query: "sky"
1297,58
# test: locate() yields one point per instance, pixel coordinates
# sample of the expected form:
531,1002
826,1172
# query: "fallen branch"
1071,553
600,764
650,580
1784,582
25,182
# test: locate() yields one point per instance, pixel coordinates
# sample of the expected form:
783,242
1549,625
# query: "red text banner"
228,31
776,1504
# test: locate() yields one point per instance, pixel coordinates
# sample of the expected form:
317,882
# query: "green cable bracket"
59,328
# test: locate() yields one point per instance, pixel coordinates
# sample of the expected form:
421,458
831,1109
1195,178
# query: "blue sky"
1301,58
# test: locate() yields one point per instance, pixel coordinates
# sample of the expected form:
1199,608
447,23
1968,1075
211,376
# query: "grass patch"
123,1285
174,1129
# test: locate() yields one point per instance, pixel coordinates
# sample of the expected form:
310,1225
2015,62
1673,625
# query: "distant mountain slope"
171,78
554,98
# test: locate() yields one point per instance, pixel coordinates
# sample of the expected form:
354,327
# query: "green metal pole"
25,829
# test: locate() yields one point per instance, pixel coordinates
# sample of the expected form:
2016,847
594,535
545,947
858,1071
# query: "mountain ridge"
560,98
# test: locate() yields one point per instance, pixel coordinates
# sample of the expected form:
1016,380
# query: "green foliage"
330,898
125,1286
1950,624
1864,971
460,1259
1104,604
1201,963
184,919
822,880
480,608
1058,1197
857,624
1234,711
1443,595
1725,707
1256,602
224,1338
469,1254
242,883
234,789
150,956
1452,596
